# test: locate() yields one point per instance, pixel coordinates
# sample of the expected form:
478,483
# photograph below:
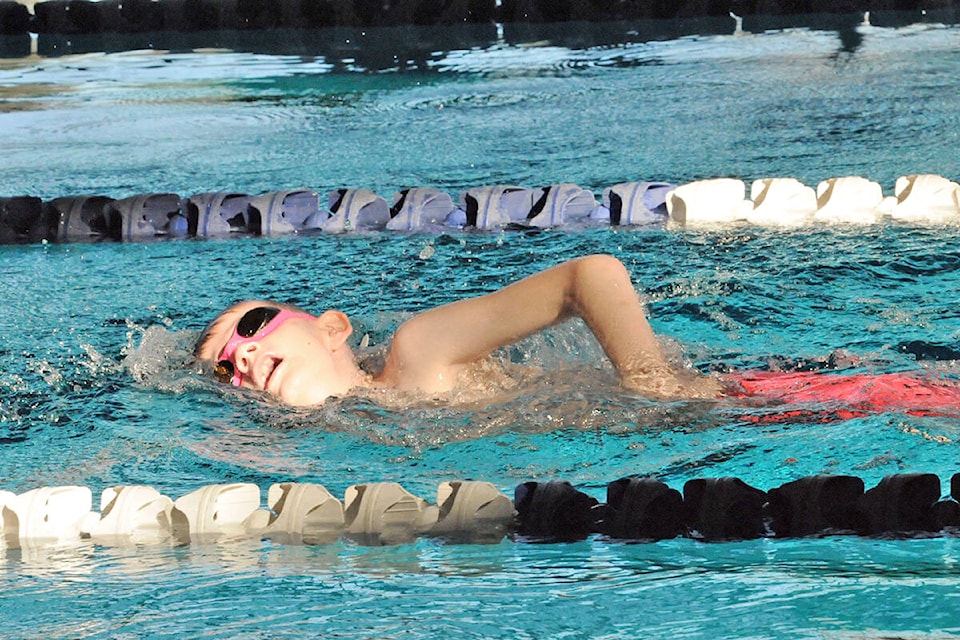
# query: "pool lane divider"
780,202
636,509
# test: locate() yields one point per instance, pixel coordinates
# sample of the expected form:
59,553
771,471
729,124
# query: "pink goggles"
257,323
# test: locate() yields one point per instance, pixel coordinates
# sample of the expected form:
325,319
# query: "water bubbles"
162,358
50,375
427,252
97,363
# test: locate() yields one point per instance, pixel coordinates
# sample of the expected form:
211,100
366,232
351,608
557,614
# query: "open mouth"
267,371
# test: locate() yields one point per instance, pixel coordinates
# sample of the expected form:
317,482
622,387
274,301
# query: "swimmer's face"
295,357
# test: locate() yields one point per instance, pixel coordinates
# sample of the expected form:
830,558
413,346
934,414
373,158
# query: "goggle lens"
255,320
224,371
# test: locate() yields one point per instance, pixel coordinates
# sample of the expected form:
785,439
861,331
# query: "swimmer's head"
278,348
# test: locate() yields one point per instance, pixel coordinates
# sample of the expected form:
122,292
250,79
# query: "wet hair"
207,332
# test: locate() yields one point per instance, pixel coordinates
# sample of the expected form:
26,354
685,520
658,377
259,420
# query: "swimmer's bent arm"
595,288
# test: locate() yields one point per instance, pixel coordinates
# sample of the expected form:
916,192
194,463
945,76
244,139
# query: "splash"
163,359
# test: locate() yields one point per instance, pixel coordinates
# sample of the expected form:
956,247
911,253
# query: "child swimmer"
303,359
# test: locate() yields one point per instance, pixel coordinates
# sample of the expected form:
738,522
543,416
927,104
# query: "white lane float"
132,514
474,510
45,516
214,512
925,198
782,202
718,200
385,513
297,513
849,200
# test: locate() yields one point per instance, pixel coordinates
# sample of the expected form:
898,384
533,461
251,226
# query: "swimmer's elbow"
597,281
601,265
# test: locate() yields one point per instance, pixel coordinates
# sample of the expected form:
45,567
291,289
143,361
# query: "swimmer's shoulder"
412,362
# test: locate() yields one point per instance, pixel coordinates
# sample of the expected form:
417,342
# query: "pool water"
94,389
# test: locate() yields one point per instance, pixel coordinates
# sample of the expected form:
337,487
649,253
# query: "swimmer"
303,359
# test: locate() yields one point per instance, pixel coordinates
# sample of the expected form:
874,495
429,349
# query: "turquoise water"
93,391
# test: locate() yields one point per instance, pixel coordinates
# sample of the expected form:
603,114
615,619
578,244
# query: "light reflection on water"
778,588
777,104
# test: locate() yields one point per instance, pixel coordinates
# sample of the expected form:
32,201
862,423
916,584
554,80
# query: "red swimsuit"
848,396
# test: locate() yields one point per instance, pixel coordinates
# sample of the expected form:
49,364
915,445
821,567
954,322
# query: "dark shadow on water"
409,47
850,41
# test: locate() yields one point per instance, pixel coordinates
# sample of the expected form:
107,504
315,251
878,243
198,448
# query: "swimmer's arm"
594,288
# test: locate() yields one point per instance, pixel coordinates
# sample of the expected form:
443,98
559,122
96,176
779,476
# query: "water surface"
95,389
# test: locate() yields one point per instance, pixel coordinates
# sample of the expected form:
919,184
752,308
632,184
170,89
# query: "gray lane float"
215,214
147,216
22,220
82,218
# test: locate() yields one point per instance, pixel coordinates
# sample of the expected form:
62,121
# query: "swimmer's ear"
337,326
